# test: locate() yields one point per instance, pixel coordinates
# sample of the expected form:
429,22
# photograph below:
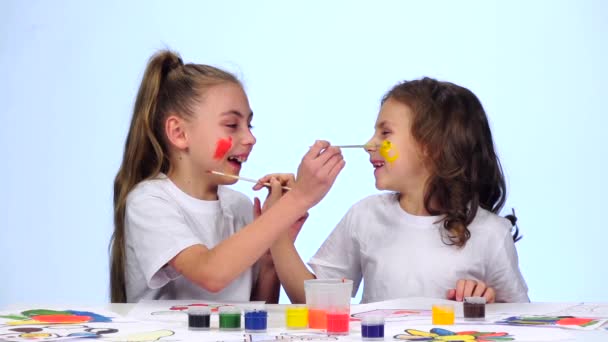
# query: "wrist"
296,202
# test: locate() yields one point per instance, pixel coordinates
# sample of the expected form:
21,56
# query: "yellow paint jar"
296,317
443,314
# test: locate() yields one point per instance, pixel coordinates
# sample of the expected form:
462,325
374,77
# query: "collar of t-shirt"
411,220
191,203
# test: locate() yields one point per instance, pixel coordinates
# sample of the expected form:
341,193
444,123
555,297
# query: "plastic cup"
328,302
443,314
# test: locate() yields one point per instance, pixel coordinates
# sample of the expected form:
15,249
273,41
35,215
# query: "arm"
338,257
503,272
209,267
291,269
268,286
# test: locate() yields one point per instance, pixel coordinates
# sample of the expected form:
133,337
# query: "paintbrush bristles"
251,180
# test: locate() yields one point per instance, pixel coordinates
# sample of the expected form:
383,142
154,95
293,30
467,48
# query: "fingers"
276,190
480,289
286,179
451,294
328,156
471,288
315,150
257,207
490,295
460,289
333,173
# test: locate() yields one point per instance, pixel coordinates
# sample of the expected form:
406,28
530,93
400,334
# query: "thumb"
451,294
275,190
257,207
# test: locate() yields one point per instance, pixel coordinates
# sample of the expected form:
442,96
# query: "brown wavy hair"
450,125
168,86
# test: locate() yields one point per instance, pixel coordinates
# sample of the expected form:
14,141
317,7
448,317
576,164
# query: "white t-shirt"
161,221
401,255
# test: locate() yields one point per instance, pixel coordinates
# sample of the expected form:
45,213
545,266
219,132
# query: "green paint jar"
230,318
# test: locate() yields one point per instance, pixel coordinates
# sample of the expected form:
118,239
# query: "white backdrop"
312,69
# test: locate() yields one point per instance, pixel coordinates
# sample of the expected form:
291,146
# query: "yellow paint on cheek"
385,151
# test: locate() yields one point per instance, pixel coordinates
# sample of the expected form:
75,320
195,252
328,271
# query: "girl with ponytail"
179,233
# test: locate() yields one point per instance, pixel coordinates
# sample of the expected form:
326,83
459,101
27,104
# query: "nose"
249,138
371,145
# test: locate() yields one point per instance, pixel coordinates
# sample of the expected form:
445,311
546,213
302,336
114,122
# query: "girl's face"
222,113
407,172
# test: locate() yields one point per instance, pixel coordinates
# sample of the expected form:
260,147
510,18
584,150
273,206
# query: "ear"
176,132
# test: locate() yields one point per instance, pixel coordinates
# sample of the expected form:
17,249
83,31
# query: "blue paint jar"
372,328
256,320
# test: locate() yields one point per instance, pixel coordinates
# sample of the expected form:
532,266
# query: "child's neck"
413,204
195,185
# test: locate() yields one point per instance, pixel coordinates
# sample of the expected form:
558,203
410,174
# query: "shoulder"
487,225
151,189
374,202
369,210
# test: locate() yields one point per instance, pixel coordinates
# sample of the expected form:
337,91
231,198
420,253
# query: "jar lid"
475,300
199,310
372,320
229,310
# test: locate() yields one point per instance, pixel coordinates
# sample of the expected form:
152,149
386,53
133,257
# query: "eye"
386,132
233,126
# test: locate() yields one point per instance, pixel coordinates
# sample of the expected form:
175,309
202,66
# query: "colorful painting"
123,332
390,313
175,310
553,321
182,309
46,316
439,334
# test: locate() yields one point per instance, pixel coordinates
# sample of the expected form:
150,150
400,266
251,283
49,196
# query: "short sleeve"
504,274
338,257
157,231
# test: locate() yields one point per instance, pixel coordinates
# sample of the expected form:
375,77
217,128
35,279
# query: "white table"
277,319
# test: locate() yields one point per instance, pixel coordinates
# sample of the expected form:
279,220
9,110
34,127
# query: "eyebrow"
382,123
237,113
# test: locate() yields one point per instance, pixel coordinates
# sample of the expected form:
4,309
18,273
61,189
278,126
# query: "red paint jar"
338,323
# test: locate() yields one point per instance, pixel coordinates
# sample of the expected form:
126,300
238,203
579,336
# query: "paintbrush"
243,178
356,146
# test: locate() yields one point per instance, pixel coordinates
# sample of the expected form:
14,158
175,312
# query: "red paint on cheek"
222,147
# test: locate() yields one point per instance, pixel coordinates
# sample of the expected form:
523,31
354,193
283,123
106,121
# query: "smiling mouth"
237,159
378,164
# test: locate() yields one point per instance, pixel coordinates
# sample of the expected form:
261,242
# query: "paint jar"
325,295
230,318
256,319
296,316
337,322
443,314
372,328
474,308
199,318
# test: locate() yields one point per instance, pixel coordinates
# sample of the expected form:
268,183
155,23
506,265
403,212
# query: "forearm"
213,269
290,268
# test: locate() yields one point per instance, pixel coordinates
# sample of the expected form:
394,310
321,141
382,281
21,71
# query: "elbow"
213,283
